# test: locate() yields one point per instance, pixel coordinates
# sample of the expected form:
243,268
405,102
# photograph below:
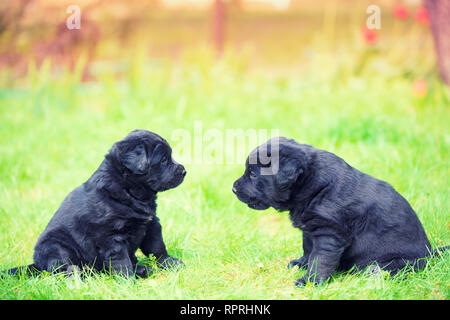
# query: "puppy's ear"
288,174
156,154
135,159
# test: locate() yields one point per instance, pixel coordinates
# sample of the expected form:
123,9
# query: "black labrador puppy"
348,218
104,221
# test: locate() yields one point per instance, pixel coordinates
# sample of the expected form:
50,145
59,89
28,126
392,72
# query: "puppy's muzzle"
181,171
234,189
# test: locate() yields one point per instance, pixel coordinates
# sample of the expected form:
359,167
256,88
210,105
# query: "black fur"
348,218
104,221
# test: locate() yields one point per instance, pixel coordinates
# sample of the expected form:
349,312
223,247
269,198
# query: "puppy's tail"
29,270
438,251
417,263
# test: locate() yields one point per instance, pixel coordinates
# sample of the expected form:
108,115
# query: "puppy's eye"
252,173
164,160
139,149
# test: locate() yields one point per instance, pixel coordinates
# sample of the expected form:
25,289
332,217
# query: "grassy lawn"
55,132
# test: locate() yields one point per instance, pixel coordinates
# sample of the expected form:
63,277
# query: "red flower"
370,36
421,16
420,87
400,12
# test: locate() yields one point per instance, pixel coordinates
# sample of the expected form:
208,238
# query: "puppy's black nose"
183,173
234,187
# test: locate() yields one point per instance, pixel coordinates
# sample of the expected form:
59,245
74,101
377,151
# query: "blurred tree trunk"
218,25
439,11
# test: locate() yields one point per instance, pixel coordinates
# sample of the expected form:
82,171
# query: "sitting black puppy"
348,218
104,221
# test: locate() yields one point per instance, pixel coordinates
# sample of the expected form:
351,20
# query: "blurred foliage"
327,35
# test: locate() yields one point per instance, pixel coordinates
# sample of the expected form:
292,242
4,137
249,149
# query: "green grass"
55,132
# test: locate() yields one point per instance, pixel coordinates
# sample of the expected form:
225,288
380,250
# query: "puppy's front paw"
301,282
317,281
143,271
170,263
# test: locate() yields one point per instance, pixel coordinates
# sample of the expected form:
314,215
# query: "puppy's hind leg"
55,259
301,263
117,258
